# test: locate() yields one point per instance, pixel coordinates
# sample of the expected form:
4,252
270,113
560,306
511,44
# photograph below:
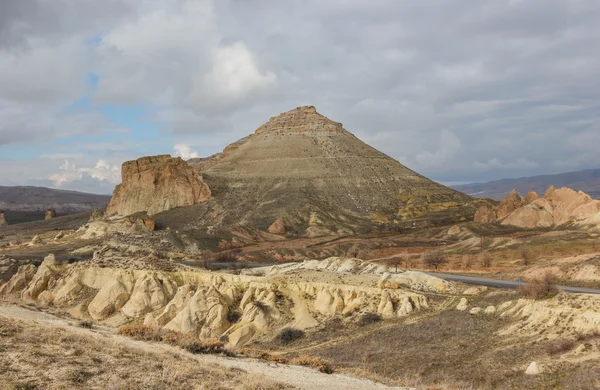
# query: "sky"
460,91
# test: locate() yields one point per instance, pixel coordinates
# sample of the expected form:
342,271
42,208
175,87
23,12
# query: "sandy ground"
300,377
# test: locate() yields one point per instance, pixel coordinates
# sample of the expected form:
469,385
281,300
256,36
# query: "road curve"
509,284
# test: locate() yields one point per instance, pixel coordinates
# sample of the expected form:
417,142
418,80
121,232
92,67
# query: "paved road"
498,283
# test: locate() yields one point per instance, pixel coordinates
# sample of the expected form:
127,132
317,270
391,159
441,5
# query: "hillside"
38,199
587,181
317,178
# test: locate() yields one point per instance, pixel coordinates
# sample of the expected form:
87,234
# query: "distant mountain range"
38,199
587,181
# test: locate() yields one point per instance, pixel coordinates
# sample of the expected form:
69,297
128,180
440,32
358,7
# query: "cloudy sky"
460,91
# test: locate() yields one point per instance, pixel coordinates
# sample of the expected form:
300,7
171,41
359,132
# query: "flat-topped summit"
300,120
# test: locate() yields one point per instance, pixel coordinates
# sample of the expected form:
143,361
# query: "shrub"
260,354
233,316
189,343
200,346
541,287
526,254
287,335
228,256
560,346
140,332
368,318
434,259
86,324
468,262
313,362
486,260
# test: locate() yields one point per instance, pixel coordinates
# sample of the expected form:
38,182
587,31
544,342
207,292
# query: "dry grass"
189,343
262,354
33,356
313,362
452,350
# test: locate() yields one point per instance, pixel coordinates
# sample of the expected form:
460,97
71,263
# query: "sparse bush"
313,362
200,346
526,254
485,242
486,260
190,344
468,261
368,318
560,346
287,335
228,256
86,324
233,316
434,259
396,262
260,354
541,287
587,336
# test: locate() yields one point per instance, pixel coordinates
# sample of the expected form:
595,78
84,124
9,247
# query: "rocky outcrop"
50,213
572,314
97,215
485,214
36,240
140,225
277,227
155,184
557,207
2,219
530,197
201,303
509,204
19,281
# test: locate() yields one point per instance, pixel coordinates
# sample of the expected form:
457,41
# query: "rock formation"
531,196
199,303
277,227
557,207
50,213
320,179
509,204
485,214
2,219
155,184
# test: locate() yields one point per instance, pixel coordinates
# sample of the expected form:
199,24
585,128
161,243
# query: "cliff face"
157,183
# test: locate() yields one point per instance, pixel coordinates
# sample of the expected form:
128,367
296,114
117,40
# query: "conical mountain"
317,178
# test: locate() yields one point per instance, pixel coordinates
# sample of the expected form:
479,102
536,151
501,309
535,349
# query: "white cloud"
234,74
102,171
449,146
515,81
184,151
